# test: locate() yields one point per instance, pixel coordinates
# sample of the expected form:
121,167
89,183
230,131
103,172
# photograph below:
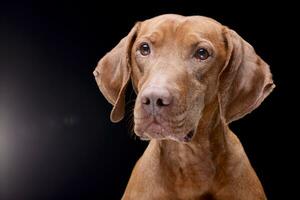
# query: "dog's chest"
189,176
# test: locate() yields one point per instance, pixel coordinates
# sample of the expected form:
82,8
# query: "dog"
192,76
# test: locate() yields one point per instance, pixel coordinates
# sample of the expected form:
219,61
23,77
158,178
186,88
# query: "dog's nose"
155,98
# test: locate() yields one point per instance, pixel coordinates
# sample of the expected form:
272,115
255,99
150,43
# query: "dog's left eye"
144,49
201,54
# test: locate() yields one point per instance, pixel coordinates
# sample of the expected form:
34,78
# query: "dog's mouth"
188,137
162,131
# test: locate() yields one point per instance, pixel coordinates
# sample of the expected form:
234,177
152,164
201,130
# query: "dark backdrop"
56,140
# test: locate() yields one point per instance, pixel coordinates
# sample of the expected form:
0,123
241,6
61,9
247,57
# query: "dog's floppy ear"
113,73
244,82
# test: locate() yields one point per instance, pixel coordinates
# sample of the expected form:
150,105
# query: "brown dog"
193,76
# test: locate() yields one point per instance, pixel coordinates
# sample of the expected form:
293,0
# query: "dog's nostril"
146,101
160,102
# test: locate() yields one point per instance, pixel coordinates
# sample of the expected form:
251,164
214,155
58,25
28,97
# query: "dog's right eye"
202,54
144,49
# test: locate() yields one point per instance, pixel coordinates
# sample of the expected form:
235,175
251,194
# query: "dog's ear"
113,73
245,80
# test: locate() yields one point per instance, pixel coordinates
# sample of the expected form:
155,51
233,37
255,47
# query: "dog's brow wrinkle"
155,36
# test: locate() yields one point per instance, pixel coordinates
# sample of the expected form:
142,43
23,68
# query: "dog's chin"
158,132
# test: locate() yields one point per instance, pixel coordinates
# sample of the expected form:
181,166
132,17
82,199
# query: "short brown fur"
207,96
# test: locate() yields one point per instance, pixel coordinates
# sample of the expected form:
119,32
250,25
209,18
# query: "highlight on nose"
154,99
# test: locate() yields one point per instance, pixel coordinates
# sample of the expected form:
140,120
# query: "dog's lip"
156,127
144,137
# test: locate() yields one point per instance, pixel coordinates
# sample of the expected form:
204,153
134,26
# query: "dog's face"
175,66
179,65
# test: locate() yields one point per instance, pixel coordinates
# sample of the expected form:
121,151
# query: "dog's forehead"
176,25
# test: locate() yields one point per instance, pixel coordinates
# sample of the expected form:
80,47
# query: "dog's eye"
202,54
144,49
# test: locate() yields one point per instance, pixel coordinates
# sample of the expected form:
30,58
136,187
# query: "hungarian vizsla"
192,76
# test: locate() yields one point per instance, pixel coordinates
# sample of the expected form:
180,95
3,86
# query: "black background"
56,140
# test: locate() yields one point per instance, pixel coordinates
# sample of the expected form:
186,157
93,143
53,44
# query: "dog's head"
178,66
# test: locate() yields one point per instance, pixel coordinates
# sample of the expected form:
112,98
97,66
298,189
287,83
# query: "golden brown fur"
206,97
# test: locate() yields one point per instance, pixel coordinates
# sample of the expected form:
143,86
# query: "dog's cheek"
200,106
196,109
135,78
137,112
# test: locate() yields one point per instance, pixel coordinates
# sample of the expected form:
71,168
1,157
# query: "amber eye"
144,49
202,54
